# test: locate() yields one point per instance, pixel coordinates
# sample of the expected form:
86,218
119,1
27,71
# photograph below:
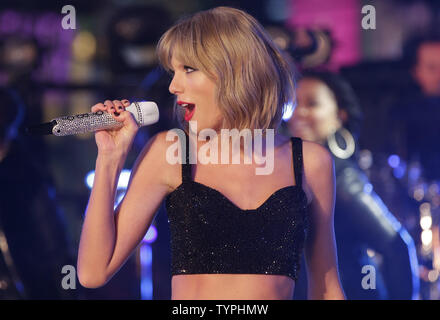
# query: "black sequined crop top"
210,234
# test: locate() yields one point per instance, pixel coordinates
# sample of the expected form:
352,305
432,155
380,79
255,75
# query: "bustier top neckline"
230,202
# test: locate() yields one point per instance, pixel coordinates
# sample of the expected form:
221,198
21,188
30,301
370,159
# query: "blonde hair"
254,80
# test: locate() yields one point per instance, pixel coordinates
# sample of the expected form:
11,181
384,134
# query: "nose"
176,86
301,111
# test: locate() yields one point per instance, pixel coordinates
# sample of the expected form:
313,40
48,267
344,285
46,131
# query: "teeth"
184,104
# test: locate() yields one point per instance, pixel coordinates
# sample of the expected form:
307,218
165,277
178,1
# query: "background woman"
328,113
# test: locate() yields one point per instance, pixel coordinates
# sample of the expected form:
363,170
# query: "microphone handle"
83,123
144,113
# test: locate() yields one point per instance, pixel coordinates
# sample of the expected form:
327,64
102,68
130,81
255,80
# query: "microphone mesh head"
145,112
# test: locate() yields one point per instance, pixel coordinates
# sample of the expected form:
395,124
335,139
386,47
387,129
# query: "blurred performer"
328,113
415,132
33,245
416,116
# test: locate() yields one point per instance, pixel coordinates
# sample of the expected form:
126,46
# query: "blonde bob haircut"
254,80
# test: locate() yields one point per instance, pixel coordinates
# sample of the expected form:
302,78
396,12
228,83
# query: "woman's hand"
116,142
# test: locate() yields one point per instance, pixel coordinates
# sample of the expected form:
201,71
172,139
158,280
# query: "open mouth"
189,110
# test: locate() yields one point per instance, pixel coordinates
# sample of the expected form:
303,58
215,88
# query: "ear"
343,115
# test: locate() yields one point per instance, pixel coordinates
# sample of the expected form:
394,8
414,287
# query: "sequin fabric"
210,234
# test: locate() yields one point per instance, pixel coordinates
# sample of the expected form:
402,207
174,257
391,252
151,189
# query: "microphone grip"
83,123
144,113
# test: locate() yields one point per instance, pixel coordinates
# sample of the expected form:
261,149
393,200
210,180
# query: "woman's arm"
109,236
365,215
320,247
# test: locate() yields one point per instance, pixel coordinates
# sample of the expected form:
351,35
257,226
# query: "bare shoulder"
318,167
158,144
315,155
154,156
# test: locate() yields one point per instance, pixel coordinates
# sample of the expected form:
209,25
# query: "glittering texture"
84,123
210,234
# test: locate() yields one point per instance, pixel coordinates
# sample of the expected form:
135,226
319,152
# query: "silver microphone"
145,113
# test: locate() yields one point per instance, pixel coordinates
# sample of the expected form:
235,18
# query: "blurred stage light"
84,46
146,258
19,54
419,193
433,189
414,171
426,237
151,235
393,161
289,108
365,159
368,188
119,199
124,178
433,275
425,222
425,209
371,253
89,179
400,171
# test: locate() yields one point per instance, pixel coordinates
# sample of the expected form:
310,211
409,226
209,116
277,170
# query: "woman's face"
316,113
193,87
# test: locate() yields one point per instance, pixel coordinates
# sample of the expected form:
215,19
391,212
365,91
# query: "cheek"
211,112
321,120
425,75
214,118
314,117
208,118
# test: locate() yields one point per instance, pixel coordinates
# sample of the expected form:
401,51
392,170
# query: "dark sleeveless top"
210,234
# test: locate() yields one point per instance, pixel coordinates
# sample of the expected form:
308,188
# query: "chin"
303,135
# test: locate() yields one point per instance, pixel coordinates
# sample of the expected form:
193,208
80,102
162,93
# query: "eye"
188,69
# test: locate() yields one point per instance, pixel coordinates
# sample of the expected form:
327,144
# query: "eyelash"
185,68
188,67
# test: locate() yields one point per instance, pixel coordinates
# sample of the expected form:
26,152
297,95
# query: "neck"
218,141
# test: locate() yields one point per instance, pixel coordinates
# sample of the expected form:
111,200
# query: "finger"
109,106
125,102
127,118
97,107
118,105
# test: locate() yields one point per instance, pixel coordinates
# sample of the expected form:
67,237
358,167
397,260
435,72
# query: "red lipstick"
189,109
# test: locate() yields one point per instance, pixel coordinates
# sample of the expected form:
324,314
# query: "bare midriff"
231,287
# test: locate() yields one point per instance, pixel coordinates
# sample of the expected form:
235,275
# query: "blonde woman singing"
235,234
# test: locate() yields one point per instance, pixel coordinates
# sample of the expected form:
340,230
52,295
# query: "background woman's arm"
364,215
320,248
